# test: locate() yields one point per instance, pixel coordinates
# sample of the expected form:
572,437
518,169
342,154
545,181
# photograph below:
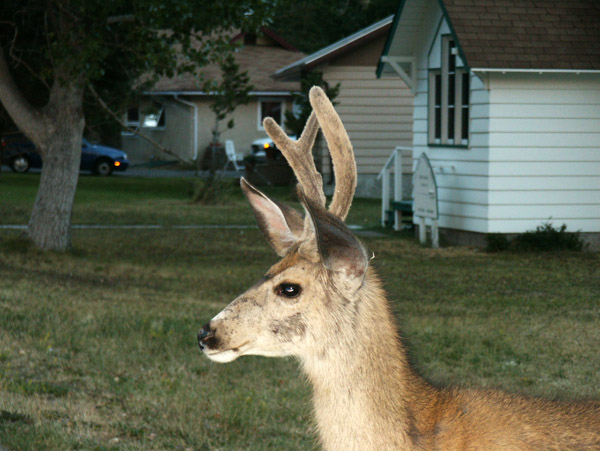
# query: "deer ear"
339,250
280,224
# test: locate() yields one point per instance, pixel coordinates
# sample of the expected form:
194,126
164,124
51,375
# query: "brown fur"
340,327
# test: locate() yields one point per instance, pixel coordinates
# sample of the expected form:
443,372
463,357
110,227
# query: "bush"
547,238
496,242
544,238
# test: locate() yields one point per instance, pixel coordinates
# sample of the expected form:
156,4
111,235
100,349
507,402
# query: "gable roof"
258,60
521,34
334,50
528,33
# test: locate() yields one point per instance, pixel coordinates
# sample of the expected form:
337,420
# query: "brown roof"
520,34
260,61
341,47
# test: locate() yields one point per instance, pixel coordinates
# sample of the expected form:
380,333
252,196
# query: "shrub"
496,242
547,238
544,238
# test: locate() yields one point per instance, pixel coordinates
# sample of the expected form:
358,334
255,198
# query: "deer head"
296,306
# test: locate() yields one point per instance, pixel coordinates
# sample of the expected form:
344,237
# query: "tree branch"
120,19
18,60
24,115
126,127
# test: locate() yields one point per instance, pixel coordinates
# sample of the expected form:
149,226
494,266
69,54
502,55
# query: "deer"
323,304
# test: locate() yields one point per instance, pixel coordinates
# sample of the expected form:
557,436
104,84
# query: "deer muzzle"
206,337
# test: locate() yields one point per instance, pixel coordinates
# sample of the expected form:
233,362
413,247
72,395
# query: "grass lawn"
121,200
98,346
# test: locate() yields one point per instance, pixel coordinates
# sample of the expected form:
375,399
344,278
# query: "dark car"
265,148
19,153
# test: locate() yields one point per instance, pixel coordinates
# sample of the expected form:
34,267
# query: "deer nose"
205,335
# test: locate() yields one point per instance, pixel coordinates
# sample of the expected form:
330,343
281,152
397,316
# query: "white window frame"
259,110
448,137
151,121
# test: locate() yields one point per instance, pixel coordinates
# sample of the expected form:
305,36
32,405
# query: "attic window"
449,99
249,39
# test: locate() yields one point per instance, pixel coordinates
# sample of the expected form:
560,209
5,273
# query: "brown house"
181,119
377,113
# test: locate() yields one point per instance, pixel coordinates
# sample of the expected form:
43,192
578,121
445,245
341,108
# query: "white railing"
394,163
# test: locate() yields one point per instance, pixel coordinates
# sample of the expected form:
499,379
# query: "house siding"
462,174
378,117
246,121
177,135
179,130
533,154
544,134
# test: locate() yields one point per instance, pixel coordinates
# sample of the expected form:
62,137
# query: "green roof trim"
390,36
460,49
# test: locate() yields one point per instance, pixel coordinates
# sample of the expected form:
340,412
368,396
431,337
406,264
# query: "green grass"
122,200
98,345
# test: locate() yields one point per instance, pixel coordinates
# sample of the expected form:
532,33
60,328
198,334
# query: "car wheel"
103,167
20,164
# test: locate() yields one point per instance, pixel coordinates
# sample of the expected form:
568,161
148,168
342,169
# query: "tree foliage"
313,24
55,53
232,90
121,47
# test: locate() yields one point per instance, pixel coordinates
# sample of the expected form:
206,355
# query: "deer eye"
289,290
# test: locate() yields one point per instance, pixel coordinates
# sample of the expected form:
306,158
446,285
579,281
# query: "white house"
376,113
507,108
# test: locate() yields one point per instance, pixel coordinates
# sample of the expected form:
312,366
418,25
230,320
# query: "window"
132,120
449,99
132,117
155,117
270,108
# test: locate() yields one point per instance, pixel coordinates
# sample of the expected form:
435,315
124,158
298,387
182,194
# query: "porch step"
405,206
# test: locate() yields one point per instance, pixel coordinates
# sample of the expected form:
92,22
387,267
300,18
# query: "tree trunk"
56,130
50,223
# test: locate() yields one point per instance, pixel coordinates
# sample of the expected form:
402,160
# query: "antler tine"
340,148
299,156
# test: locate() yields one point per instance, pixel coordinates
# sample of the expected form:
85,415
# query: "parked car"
265,148
19,153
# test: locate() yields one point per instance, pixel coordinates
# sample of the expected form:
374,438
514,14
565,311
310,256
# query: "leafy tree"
57,56
233,90
313,24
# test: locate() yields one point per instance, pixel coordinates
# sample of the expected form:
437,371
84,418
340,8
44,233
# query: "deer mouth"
224,355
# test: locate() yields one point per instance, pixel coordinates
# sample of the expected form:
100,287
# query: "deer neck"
365,393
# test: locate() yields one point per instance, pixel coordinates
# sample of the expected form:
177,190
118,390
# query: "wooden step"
405,206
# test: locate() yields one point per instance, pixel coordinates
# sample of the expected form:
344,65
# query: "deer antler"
298,154
340,148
